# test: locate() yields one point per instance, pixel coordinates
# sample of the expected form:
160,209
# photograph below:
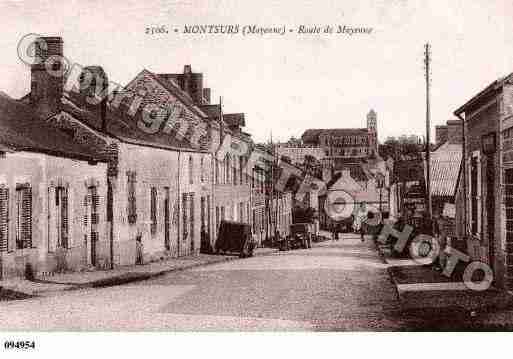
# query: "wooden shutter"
191,208
4,219
64,230
24,218
184,214
153,209
131,192
95,203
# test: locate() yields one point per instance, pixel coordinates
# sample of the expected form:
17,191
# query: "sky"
286,84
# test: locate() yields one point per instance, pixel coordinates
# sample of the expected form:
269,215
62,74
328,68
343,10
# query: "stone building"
230,147
159,183
53,193
488,177
346,142
297,153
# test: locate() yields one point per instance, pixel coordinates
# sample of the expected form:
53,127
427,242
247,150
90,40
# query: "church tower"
372,128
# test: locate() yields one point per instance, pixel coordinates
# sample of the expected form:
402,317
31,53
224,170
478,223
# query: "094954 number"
21,345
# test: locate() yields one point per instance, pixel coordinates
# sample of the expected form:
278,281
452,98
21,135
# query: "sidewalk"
423,287
51,285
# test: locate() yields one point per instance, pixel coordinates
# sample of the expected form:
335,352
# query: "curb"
131,277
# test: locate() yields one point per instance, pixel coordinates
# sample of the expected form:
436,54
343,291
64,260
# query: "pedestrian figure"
334,232
138,250
359,220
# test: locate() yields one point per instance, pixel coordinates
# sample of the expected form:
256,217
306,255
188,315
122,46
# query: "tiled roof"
22,130
124,128
445,169
355,169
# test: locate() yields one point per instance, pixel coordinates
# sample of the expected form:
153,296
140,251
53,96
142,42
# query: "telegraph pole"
427,61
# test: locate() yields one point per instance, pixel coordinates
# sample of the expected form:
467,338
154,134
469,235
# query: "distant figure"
139,250
359,220
335,232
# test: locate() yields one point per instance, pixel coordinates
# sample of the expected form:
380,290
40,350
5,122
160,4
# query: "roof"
22,130
495,85
125,128
344,182
173,88
445,169
355,167
312,135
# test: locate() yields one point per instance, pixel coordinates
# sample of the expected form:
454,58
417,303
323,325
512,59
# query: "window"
203,218
184,213
132,207
61,204
241,169
217,219
216,170
475,194
4,218
191,170
202,174
23,216
153,210
191,218
227,165
209,219
234,170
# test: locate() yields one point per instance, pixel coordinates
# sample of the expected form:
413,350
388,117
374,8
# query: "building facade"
346,142
488,176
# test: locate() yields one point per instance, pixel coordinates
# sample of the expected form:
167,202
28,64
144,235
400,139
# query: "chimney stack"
441,134
454,131
46,86
206,95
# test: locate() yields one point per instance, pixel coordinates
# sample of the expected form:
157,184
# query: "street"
336,286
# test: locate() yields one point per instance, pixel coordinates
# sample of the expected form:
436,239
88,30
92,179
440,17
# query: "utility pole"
427,61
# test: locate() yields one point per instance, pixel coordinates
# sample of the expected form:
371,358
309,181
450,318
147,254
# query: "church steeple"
372,119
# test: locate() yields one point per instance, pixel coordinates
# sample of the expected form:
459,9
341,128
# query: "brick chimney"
455,131
206,95
46,88
193,84
94,84
441,134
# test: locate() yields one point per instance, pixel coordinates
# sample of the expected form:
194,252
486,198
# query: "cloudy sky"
293,82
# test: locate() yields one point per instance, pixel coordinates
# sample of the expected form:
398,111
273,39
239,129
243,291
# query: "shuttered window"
4,219
191,170
23,216
153,210
132,204
61,202
95,204
241,169
217,220
184,214
202,170
191,209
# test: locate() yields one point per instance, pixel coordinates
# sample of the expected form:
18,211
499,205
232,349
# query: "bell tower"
372,128
372,121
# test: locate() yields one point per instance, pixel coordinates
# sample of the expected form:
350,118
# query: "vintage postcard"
272,166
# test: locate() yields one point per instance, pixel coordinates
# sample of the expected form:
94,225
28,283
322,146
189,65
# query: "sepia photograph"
282,167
